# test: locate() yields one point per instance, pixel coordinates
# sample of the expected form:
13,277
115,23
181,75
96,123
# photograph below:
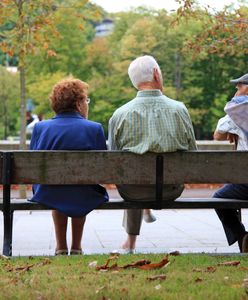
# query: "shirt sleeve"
101,141
111,135
190,130
226,124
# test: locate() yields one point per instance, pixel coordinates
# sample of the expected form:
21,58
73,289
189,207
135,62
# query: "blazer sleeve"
101,140
34,137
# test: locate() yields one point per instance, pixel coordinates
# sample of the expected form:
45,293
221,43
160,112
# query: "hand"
232,138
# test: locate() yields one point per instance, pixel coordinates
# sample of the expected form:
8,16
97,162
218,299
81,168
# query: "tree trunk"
22,145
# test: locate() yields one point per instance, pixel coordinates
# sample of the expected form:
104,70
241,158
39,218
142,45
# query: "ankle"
130,242
76,247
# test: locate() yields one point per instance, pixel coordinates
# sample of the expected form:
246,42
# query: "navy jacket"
69,131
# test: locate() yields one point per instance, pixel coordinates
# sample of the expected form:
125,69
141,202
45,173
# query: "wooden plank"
206,167
88,167
85,167
180,203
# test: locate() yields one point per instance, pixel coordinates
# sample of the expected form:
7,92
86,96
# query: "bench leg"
7,237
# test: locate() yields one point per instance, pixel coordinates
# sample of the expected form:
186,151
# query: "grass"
187,277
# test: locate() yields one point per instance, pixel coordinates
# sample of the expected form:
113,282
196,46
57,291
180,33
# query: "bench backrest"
88,167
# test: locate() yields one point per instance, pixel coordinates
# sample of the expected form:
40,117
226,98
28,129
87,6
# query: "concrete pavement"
183,230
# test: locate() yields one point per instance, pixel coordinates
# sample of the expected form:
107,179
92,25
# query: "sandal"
76,252
61,252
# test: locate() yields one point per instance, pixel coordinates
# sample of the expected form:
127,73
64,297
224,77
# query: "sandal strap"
61,252
76,252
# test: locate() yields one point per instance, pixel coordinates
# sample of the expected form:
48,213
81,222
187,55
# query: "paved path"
183,230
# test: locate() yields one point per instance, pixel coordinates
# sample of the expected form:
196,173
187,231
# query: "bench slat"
182,203
89,167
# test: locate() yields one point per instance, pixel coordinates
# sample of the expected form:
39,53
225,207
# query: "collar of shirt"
68,114
149,93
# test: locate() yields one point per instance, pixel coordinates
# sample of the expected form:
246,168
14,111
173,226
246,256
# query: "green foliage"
194,75
9,99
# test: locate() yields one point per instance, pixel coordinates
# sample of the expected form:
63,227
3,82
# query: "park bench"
119,167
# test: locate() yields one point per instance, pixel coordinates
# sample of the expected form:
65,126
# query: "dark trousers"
233,227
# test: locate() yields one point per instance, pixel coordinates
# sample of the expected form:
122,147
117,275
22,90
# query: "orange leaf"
229,263
163,263
137,264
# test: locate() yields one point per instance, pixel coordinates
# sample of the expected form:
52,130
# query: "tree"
9,109
33,28
223,32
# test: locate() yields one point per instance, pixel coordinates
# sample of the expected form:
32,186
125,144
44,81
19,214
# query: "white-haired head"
141,70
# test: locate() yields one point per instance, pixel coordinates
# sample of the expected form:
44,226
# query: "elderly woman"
69,130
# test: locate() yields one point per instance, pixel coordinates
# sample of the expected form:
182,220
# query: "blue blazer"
69,131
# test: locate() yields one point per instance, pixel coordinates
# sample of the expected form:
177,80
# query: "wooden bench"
117,167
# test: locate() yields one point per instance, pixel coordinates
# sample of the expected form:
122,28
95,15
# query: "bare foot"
130,242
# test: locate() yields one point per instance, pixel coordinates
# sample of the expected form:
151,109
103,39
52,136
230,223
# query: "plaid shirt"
151,122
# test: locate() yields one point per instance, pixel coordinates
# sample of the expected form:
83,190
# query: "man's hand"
232,138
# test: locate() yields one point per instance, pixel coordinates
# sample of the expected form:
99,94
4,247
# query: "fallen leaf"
106,265
245,283
210,269
158,287
229,263
45,261
163,263
4,257
138,263
197,280
20,269
236,286
100,289
92,264
155,277
197,270
175,253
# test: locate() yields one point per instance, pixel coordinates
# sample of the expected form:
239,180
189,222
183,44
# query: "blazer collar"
69,114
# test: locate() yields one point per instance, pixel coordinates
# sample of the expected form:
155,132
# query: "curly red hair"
67,93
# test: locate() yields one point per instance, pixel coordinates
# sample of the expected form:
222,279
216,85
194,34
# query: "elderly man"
234,127
151,122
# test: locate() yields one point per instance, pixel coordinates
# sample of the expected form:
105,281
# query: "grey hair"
141,70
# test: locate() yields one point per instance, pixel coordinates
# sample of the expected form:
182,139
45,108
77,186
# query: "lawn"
183,277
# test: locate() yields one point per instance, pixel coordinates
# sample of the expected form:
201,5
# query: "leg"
231,222
132,222
148,216
146,211
77,227
60,224
133,217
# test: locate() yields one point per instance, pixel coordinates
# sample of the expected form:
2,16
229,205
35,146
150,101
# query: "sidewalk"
182,230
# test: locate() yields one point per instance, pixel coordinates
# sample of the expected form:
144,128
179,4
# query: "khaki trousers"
132,218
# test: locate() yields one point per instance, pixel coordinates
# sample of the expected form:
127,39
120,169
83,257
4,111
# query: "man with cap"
234,127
